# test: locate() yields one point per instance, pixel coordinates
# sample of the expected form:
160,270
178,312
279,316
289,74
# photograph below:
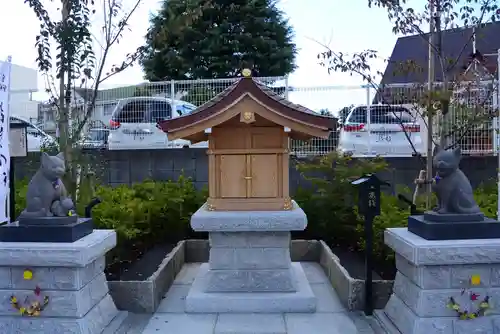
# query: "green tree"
344,112
65,47
221,38
72,63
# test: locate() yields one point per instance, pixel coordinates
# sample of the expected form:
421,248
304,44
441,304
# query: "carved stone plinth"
429,273
71,275
45,231
467,227
249,268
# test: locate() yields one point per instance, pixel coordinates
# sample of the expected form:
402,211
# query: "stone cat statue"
46,195
452,188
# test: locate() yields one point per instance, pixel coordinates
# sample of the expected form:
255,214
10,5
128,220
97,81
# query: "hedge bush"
151,210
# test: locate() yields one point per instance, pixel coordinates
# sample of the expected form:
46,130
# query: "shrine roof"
257,90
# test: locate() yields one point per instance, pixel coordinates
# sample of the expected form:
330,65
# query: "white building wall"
24,81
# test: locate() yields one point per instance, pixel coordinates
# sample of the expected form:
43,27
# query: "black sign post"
369,206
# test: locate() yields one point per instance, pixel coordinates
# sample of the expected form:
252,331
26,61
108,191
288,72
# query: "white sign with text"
5,69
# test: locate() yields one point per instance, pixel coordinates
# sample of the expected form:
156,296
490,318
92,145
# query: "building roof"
457,46
111,94
258,91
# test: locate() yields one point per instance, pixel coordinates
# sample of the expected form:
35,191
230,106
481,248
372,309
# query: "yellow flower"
475,280
13,299
483,305
22,310
455,307
28,275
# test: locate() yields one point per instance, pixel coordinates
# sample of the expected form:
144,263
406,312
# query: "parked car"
383,134
134,122
96,138
36,137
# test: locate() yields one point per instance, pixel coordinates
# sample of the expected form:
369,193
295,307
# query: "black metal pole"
368,264
12,192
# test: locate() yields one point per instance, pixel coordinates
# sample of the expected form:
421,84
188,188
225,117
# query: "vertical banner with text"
5,69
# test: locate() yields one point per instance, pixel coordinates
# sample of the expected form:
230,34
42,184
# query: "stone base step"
398,318
94,322
302,300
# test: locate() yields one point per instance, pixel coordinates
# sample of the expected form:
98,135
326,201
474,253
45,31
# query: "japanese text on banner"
5,69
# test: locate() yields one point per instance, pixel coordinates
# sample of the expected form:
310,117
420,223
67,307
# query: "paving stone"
173,323
319,323
187,274
250,324
314,272
327,299
330,318
175,299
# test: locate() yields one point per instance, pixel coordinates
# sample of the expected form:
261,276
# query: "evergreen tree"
224,37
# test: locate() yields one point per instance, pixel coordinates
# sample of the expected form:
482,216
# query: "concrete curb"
351,290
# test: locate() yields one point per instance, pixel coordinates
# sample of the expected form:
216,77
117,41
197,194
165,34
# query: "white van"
385,133
36,137
134,121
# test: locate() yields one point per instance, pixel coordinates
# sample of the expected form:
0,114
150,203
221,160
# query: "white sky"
346,26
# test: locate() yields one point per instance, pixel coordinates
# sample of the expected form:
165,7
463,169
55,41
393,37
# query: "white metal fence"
374,129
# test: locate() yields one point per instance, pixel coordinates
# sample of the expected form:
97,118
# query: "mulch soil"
354,263
137,262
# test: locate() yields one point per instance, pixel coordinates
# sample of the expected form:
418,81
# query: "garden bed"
140,285
351,287
136,262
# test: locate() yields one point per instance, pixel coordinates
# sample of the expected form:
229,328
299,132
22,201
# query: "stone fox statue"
46,195
451,186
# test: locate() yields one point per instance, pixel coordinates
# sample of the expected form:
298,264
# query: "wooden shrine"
248,127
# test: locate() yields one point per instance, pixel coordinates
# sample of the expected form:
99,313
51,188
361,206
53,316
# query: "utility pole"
430,113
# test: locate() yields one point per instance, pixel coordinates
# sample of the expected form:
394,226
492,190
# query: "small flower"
474,296
22,310
28,275
37,290
475,280
13,299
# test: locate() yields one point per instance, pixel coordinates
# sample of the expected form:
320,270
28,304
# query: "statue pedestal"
249,268
434,226
432,271
71,275
46,230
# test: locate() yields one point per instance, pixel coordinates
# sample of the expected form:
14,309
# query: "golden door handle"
247,177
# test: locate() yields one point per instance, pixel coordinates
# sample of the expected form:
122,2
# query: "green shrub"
149,211
486,196
21,187
329,198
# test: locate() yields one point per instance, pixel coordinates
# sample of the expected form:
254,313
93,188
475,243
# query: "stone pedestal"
71,275
429,273
249,268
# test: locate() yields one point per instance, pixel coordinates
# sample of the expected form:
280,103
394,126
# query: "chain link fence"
390,121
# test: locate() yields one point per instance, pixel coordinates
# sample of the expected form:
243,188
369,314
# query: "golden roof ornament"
246,72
